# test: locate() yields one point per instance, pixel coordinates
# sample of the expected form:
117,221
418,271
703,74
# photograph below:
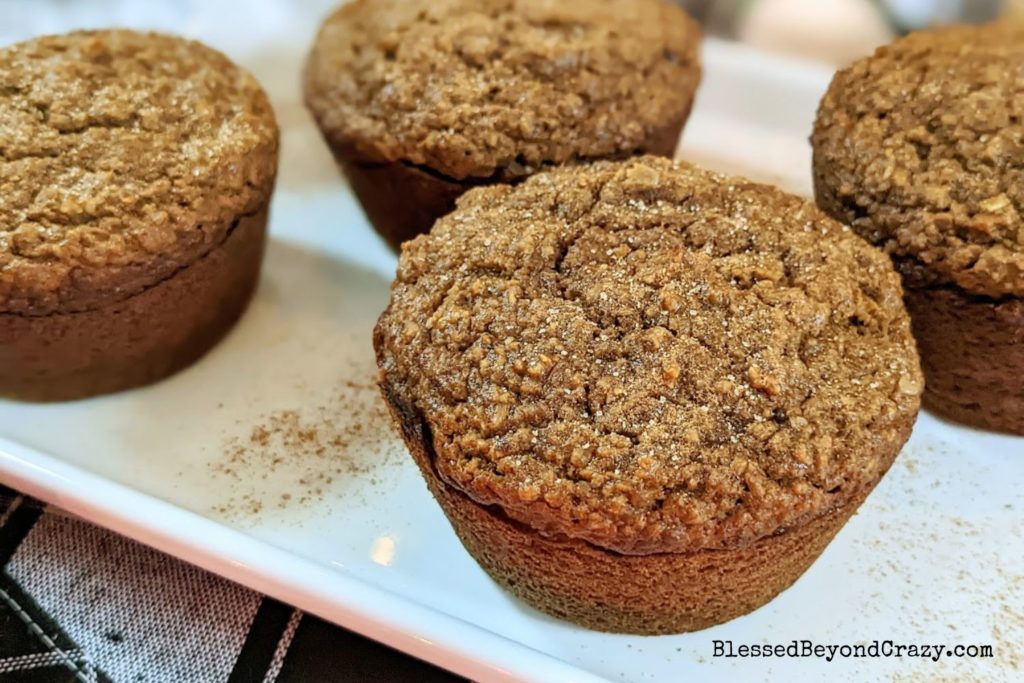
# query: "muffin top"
474,88
123,157
649,356
921,148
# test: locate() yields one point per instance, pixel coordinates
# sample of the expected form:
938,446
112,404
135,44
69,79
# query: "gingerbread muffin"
135,174
646,396
421,100
920,148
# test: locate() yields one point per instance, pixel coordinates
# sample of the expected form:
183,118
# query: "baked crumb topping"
649,356
471,88
921,149
124,156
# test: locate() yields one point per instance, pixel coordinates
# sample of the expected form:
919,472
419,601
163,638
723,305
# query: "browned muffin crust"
649,357
138,340
601,589
475,89
921,149
124,157
644,594
403,201
972,354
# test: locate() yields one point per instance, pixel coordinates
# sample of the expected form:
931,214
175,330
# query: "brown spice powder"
292,458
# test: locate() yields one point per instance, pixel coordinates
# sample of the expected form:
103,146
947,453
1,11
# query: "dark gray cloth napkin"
81,604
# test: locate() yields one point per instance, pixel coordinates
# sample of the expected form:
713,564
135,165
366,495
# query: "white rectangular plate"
936,555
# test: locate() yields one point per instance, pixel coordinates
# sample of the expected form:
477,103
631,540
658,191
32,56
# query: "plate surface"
271,461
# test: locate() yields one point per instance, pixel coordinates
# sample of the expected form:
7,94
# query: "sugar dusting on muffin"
121,151
649,356
468,87
920,149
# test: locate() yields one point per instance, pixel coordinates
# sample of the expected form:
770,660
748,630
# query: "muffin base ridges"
599,589
138,340
972,355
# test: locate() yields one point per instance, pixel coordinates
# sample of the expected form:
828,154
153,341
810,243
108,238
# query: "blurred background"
836,31
833,32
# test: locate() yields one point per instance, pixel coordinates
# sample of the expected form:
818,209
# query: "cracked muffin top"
921,148
123,157
474,88
650,357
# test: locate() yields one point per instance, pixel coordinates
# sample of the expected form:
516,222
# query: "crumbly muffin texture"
474,88
650,357
124,157
921,149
